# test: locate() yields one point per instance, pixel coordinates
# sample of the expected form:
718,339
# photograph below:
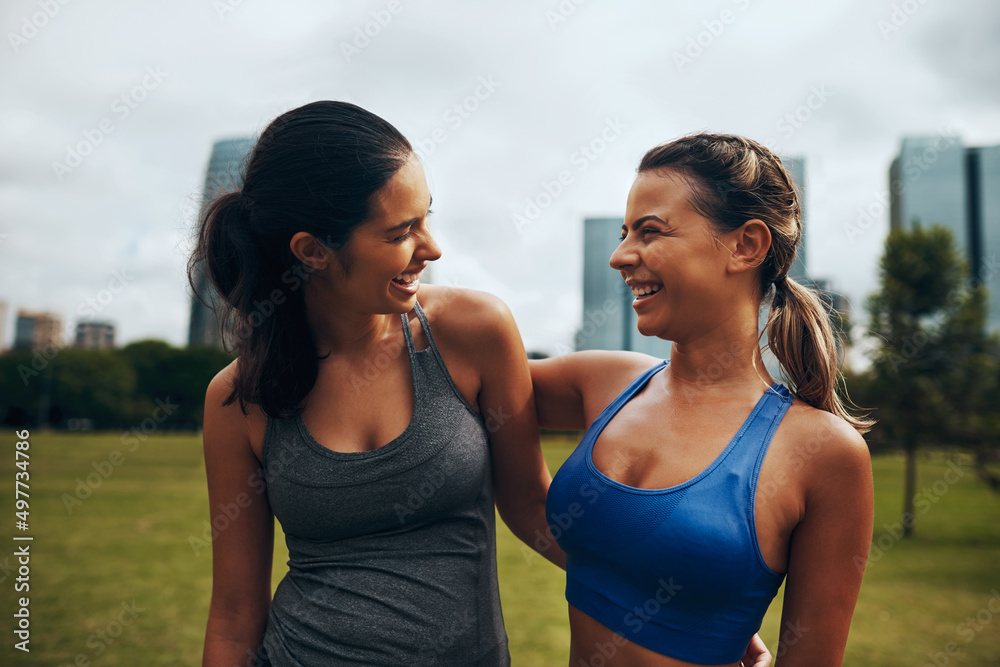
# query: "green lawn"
129,543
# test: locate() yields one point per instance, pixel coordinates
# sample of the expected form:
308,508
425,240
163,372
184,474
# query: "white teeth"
647,289
407,278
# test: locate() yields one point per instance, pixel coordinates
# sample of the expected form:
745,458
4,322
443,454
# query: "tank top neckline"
591,436
415,418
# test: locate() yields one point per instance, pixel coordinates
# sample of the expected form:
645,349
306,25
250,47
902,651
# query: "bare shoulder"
230,420
222,384
463,309
468,320
831,448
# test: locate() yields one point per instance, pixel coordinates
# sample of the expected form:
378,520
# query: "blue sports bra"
676,570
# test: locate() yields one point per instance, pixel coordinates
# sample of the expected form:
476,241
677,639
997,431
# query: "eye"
400,239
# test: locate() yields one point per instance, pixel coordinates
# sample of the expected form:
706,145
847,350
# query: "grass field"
118,582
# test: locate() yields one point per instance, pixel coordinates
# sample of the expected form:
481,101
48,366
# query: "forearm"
233,642
528,522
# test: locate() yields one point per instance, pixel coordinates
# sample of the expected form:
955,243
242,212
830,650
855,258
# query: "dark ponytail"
314,169
733,180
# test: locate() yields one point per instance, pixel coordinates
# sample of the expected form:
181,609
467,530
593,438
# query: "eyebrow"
635,225
403,225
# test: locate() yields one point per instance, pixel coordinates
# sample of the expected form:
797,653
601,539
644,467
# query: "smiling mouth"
645,290
407,279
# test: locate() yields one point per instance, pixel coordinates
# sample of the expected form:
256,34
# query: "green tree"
972,382
914,317
91,384
177,375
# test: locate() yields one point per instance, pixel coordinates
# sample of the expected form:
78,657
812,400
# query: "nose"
428,250
624,256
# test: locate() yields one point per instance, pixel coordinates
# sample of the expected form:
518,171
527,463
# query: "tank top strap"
590,437
441,371
754,437
407,334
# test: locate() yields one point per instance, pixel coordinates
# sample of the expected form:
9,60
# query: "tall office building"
37,330
796,167
3,326
927,184
983,165
95,335
939,181
224,174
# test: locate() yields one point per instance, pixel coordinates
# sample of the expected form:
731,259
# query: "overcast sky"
146,88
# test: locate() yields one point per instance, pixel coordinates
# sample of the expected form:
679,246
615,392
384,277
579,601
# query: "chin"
648,327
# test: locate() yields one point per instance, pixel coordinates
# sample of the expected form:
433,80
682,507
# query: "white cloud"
128,202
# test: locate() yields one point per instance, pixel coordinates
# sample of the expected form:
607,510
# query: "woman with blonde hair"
701,484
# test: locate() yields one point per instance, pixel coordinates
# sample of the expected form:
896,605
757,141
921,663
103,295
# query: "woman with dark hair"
701,484
378,430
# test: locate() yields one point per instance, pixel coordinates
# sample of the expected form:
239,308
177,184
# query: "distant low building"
37,330
95,335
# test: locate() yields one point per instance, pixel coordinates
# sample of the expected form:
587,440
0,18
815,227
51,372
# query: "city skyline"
108,126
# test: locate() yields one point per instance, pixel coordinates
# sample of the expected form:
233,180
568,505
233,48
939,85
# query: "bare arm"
565,385
520,474
829,549
242,530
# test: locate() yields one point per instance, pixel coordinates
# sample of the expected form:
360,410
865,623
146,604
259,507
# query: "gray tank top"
391,552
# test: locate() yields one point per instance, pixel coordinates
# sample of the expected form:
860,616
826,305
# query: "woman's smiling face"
380,265
671,258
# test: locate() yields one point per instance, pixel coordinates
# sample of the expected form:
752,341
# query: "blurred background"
119,120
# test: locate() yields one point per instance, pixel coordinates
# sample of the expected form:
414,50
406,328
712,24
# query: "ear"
309,250
749,245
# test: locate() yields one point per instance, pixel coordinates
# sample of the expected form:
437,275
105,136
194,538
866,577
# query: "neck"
722,360
339,330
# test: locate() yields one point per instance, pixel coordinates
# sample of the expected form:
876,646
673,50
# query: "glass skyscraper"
224,174
927,184
938,181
